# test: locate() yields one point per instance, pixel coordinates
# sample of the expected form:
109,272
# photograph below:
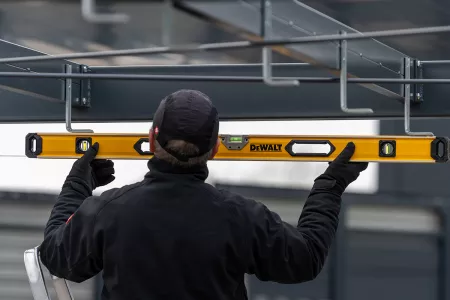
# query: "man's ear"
216,149
151,140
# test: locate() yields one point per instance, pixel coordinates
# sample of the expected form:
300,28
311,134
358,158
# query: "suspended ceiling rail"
117,98
290,18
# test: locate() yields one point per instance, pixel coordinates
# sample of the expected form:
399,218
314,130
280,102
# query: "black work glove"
344,171
91,172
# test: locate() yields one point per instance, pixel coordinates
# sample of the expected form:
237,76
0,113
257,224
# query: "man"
173,236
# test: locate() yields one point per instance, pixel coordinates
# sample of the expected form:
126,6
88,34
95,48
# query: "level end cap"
33,145
440,149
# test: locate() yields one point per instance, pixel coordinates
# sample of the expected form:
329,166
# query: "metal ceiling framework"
36,85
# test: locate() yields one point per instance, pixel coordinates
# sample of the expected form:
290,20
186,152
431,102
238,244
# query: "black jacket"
173,236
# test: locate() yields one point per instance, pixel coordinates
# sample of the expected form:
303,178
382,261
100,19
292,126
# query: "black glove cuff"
329,183
79,185
340,174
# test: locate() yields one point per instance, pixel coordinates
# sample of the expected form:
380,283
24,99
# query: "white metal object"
407,104
35,273
68,99
343,83
267,52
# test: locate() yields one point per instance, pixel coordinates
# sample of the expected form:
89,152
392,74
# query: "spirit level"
407,149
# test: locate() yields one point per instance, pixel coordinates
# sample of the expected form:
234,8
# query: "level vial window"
387,148
84,145
235,139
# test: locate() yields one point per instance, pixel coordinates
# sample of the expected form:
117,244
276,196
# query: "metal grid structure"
96,93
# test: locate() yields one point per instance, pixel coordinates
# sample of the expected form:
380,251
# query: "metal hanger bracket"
407,103
68,90
266,19
343,81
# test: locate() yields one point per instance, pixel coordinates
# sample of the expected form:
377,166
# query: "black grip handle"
33,145
440,149
138,147
291,144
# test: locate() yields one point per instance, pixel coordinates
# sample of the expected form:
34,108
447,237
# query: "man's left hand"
92,172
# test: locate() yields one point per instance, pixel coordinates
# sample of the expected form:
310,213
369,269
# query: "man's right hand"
344,171
90,171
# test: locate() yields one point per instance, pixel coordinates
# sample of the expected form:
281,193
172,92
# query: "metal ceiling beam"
111,95
116,100
293,19
256,100
125,100
42,89
24,100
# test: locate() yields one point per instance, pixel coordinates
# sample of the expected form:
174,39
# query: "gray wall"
388,247
379,266
22,220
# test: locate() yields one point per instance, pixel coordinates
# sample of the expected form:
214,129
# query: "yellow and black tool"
401,149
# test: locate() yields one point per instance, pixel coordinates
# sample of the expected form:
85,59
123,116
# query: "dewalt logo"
265,147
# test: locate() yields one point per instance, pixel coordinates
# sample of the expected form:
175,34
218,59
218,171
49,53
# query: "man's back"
172,236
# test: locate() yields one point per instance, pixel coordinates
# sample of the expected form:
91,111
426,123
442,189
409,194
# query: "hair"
184,148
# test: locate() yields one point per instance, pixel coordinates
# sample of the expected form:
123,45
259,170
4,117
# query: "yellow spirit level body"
406,149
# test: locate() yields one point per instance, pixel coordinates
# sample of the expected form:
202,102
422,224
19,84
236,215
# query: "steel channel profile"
242,79
229,45
266,32
233,45
407,104
343,82
68,99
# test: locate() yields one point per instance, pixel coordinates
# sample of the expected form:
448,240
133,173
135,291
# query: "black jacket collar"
159,168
